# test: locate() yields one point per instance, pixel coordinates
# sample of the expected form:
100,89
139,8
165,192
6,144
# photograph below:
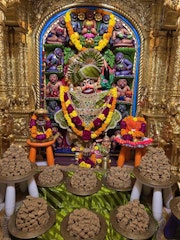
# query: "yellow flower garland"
74,37
99,131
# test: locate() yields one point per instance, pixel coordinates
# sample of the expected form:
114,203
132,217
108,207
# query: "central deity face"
87,86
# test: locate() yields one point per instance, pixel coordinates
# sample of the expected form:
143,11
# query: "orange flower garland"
133,127
132,134
74,122
40,135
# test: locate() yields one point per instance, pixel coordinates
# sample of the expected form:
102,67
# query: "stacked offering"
15,162
83,179
83,224
32,214
155,165
133,217
118,178
50,176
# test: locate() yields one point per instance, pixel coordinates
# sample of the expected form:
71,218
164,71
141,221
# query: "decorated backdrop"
88,50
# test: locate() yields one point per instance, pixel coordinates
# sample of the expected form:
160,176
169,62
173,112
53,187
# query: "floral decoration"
40,135
133,128
98,125
75,38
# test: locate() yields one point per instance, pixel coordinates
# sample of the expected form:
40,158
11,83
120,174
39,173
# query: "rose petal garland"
74,37
75,122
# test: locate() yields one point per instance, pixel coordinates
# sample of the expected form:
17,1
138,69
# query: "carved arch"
123,15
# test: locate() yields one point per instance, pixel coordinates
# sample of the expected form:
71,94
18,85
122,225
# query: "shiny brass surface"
158,98
100,236
32,234
133,235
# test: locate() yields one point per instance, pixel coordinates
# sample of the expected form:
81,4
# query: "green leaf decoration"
115,119
59,118
68,53
109,57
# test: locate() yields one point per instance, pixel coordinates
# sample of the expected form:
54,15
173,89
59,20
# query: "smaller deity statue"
104,25
104,150
121,36
89,26
75,23
40,126
123,66
53,86
55,61
58,34
124,92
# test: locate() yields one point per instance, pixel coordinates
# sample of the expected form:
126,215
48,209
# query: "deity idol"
87,112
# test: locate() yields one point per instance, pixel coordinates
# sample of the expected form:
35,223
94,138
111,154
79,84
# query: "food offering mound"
155,165
15,162
83,224
50,176
32,215
132,221
133,217
118,178
33,218
84,179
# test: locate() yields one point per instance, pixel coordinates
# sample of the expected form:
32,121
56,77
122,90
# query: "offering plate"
82,192
120,189
54,184
133,235
154,183
32,234
102,233
19,178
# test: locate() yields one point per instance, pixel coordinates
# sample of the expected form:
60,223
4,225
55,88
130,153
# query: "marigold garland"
74,37
75,122
40,135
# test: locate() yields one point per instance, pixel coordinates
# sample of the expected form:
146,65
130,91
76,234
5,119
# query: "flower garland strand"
133,128
74,121
40,135
74,37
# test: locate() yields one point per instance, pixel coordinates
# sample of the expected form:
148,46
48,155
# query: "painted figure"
53,86
104,25
89,26
121,36
58,34
75,23
123,66
55,61
124,92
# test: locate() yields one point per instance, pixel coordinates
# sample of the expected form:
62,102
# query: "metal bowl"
133,235
101,236
31,234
